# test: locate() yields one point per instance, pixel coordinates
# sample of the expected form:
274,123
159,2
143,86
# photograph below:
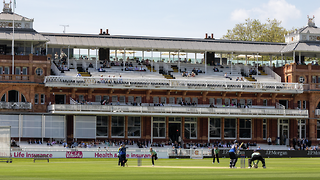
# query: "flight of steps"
168,76
175,69
85,74
250,78
262,73
151,69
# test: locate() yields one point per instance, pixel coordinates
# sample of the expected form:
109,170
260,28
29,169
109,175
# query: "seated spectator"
199,70
136,68
90,65
65,68
211,105
241,79
238,79
193,74
101,70
79,75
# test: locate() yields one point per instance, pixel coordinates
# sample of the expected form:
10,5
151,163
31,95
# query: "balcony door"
283,131
13,96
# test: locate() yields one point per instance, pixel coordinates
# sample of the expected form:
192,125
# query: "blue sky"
166,18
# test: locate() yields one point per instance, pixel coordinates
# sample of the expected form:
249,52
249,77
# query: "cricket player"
215,154
123,153
153,156
256,156
233,155
119,154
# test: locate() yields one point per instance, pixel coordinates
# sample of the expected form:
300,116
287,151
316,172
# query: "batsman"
256,156
233,153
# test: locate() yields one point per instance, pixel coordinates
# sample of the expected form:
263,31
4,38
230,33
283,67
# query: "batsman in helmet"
233,154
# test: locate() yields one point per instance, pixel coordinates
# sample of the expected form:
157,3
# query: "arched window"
14,96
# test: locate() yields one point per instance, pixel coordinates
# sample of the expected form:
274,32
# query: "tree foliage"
254,30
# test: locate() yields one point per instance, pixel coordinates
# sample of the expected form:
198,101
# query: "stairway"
151,69
262,73
85,74
168,76
175,69
250,78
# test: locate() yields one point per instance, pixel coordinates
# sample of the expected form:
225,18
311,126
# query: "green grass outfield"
277,168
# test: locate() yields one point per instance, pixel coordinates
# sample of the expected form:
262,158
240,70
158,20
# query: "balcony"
20,78
16,105
172,84
175,111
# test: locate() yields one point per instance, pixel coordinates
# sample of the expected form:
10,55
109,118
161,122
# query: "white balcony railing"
68,81
16,105
175,111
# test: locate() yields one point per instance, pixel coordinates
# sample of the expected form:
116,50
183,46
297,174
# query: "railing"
270,72
15,105
280,106
10,77
67,81
173,111
55,69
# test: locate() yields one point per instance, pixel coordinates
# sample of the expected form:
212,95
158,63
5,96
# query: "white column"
205,62
195,58
208,130
270,61
68,55
96,56
285,59
257,64
231,58
299,57
151,70
79,54
160,57
220,59
124,54
24,48
179,70
142,55
88,54
116,54
169,57
246,59
281,59
187,57
31,48
294,56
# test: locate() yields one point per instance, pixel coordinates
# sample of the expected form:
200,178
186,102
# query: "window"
122,99
130,99
219,101
187,100
190,128
156,100
81,97
163,100
299,104
159,127
171,100
114,98
4,97
211,101
1,70
98,98
179,100
138,99
36,98
264,129
24,71
133,126
314,79
230,128
174,119
227,102
234,102
195,100
117,126
215,128
302,128
265,102
6,70
39,71
42,99
18,69
318,129
249,102
102,126
245,128
304,104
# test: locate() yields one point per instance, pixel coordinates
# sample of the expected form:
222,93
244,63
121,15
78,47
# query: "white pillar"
116,54
246,59
160,57
205,62
220,59
257,64
68,55
285,59
169,57
195,58
300,60
79,54
294,56
31,48
142,55
46,48
179,70
96,57
88,54
270,61
24,48
281,59
231,58
187,57
124,54
151,70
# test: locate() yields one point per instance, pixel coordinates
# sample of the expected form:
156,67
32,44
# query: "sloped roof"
21,34
161,43
9,16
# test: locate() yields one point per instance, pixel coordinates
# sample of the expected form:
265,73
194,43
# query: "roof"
17,17
21,34
161,43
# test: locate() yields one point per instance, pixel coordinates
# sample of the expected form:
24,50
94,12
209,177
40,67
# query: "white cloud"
239,15
273,9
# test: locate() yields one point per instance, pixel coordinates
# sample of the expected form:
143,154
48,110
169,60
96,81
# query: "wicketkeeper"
256,156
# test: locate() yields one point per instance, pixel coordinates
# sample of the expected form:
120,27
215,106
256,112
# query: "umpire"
256,156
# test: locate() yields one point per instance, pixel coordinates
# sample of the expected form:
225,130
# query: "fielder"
232,154
119,154
215,154
153,156
256,156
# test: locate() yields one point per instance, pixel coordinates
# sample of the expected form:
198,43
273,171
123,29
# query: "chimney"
107,32
206,35
212,35
100,31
